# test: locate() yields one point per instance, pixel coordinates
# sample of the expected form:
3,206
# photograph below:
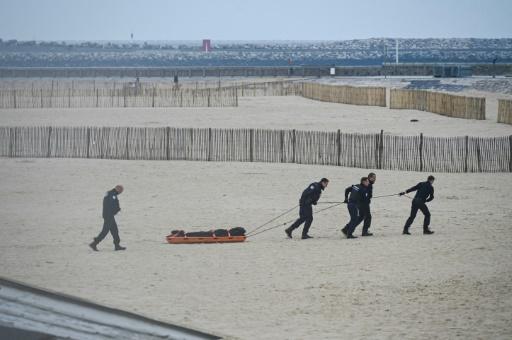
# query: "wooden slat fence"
105,98
437,102
505,111
371,96
370,151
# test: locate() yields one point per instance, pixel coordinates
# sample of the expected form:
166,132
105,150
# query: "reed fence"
436,102
505,111
371,96
370,151
122,97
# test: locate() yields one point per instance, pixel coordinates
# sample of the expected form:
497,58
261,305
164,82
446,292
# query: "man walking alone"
110,209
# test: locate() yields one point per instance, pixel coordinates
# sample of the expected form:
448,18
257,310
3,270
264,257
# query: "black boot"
119,247
366,233
344,231
288,232
306,236
93,245
427,231
351,236
406,231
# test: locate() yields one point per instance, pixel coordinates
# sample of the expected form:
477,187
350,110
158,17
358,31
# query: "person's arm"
308,194
347,192
317,192
117,207
113,204
414,188
431,196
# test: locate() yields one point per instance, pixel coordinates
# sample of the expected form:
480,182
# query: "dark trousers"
366,217
109,224
418,205
355,218
305,215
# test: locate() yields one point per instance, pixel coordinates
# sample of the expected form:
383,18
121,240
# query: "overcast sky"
253,19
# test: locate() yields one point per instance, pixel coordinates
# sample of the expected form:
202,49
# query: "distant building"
207,45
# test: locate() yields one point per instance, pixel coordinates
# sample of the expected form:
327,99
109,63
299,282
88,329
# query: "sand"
455,283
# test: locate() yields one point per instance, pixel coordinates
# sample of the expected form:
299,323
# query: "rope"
334,204
285,223
385,196
272,220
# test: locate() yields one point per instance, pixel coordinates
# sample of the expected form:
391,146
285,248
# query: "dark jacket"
110,204
358,195
370,191
311,194
424,191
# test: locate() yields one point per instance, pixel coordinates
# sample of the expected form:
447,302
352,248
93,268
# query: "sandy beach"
456,283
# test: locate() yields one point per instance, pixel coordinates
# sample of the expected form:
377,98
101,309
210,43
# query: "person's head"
372,177
119,189
431,179
324,182
364,181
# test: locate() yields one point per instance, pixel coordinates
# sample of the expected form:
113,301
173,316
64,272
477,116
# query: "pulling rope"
272,220
333,204
285,223
385,196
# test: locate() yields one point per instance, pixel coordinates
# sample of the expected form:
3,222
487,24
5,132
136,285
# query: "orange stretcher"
208,239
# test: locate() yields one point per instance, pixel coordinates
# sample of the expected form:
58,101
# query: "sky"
253,19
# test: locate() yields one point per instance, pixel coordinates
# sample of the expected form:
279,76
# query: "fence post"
153,102
209,144
294,136
466,146
97,98
281,137
14,92
251,145
88,141
338,142
421,152
12,141
377,143
510,150
168,141
127,138
49,151
478,155
381,148
208,97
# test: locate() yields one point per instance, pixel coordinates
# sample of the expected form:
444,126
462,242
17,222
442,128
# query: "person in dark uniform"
309,197
366,214
424,194
357,204
110,209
